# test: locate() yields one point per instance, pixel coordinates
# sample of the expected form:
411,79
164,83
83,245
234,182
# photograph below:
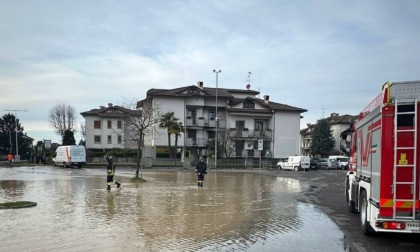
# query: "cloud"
331,55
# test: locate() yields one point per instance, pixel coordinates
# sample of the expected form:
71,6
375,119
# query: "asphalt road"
326,190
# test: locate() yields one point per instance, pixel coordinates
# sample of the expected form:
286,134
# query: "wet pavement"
234,211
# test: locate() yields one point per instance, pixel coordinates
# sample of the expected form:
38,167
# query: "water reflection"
234,211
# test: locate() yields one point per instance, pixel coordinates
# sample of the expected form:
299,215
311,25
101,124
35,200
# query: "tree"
68,138
177,129
62,117
139,120
322,141
8,127
168,121
81,142
227,143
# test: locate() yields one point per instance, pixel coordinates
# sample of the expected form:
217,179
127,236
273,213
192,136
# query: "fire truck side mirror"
345,145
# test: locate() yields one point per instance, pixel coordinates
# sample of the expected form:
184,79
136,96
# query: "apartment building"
242,121
105,128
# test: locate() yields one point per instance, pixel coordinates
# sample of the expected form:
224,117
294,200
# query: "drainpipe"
273,130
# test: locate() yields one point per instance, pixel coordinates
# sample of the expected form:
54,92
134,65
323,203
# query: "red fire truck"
382,182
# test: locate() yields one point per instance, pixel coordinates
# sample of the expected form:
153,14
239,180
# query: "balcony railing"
234,133
204,122
196,142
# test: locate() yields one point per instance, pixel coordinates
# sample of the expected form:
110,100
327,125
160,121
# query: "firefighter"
200,170
10,160
111,172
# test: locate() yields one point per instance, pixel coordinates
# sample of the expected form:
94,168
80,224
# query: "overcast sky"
323,56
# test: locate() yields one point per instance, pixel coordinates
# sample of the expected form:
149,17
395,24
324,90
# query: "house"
241,121
105,128
338,123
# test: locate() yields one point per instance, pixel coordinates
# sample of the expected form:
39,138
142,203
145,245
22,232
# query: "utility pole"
217,117
17,157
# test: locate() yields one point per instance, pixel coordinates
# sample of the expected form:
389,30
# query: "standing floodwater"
234,211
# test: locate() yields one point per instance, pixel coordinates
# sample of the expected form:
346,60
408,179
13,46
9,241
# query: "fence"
239,163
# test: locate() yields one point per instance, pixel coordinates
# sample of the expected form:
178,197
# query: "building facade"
337,124
105,128
241,121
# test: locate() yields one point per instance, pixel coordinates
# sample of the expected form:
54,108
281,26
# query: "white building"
337,123
242,120
105,128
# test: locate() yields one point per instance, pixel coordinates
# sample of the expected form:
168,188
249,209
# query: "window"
212,115
109,124
119,139
192,114
96,124
259,125
249,104
119,124
97,139
109,139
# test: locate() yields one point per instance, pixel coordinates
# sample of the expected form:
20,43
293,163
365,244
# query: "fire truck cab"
382,182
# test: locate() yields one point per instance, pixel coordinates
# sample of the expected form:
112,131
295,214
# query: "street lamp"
215,141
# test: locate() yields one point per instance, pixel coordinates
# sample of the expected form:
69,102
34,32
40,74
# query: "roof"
341,119
194,90
110,111
182,92
269,105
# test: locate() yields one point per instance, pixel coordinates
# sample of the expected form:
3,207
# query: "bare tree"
227,143
62,117
140,119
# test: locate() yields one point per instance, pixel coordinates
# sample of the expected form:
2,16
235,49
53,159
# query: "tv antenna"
248,81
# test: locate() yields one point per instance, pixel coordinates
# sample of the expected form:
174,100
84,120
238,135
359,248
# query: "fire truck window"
405,120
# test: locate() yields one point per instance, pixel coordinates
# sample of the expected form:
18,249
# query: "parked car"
281,162
295,163
332,164
342,161
314,164
322,163
326,163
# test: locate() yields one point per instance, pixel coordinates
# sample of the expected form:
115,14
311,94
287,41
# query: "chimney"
266,99
109,104
334,114
200,84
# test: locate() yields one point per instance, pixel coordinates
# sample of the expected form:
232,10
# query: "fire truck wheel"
366,228
296,168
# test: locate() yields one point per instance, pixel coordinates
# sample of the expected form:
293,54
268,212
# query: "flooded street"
232,212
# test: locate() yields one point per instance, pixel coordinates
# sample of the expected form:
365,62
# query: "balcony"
202,122
196,142
250,134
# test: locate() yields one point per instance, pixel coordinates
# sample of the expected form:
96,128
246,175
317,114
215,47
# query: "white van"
70,155
295,163
342,161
